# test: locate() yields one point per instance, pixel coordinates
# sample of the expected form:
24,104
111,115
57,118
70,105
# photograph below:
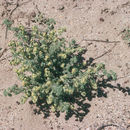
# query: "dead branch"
104,126
106,41
4,50
105,52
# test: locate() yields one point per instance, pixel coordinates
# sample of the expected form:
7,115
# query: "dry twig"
105,41
4,50
105,52
104,126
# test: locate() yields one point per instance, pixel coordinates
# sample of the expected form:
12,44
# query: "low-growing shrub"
51,69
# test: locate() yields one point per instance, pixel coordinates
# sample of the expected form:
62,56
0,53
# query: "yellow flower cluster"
24,83
44,34
48,83
35,93
84,63
20,70
24,99
53,32
83,94
55,39
83,80
70,51
63,56
35,89
35,49
15,61
21,77
34,76
50,99
34,28
67,89
53,109
34,98
49,63
46,57
21,27
62,78
28,50
47,72
40,53
62,65
74,70
76,83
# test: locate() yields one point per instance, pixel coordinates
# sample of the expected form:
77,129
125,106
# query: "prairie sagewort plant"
51,69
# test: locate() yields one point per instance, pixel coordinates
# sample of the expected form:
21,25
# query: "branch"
3,52
106,41
105,52
102,127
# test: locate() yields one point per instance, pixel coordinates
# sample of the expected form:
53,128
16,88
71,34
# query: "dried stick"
106,41
3,52
104,126
105,53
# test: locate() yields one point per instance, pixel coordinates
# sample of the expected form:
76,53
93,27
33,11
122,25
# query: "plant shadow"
82,108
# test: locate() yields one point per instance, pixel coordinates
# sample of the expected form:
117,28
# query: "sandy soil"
96,24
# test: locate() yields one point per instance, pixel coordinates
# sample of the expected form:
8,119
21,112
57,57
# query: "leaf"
51,21
73,41
9,94
113,74
108,75
65,107
23,99
94,84
5,93
104,72
8,23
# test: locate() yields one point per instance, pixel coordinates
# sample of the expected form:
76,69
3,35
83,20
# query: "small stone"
61,8
101,19
33,14
17,102
75,5
11,129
